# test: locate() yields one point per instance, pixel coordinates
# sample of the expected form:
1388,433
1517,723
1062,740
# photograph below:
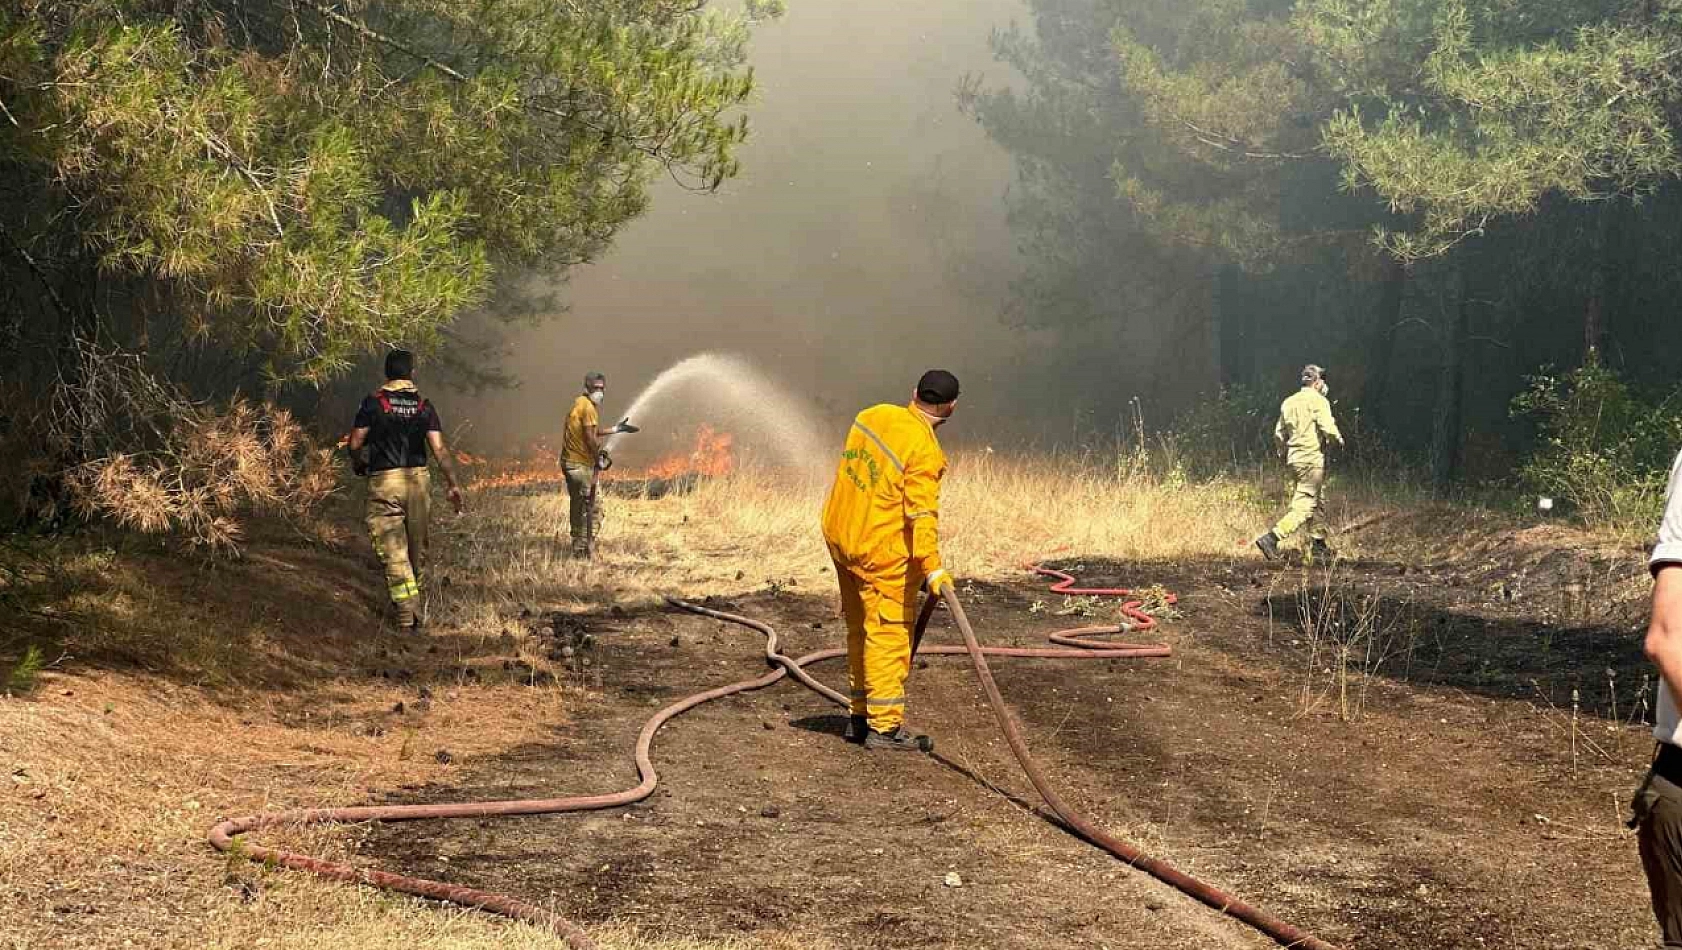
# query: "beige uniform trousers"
399,501
579,478
1305,501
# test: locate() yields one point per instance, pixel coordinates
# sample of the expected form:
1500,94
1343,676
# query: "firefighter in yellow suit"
881,523
1305,425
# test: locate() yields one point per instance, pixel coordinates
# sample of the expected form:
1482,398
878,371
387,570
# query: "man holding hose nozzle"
881,524
581,453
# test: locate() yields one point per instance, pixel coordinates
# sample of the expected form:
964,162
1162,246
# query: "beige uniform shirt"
1305,421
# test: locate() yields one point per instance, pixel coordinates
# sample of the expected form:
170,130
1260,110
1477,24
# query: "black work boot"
855,730
1319,550
900,740
1269,546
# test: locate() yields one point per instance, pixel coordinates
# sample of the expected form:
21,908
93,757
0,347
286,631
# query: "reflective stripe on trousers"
880,608
399,502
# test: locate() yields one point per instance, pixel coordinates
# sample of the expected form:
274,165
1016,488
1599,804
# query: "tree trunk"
1451,388
1594,313
1236,349
1382,346
1215,329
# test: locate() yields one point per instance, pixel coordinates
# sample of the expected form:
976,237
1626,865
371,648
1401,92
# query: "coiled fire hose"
225,836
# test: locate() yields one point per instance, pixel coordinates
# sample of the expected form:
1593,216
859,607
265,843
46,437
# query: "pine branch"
655,152
1236,147
36,269
227,155
389,41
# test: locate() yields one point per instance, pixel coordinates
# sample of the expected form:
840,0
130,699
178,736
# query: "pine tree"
314,179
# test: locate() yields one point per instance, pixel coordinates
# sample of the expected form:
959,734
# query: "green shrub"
1600,447
1234,432
21,679
1230,432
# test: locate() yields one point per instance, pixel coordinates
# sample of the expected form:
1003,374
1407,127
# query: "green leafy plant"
1234,430
1601,448
22,678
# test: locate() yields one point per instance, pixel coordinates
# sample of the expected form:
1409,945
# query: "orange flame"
711,456
539,465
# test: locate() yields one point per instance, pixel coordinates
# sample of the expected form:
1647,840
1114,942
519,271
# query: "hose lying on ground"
1083,826
224,837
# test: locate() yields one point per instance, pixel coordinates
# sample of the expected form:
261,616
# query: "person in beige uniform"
1305,425
1657,808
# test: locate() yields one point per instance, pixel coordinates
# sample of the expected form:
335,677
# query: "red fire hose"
1286,934
224,837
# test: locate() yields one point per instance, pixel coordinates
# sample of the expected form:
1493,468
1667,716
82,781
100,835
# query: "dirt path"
1450,813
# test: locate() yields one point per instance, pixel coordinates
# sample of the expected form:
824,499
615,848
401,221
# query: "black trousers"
1658,832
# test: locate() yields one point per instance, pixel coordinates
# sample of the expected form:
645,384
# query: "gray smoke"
864,242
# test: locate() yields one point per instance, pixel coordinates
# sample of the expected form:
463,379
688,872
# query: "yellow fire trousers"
881,608
1305,502
398,503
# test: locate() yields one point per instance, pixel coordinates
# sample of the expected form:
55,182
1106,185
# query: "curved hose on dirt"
224,836
1083,826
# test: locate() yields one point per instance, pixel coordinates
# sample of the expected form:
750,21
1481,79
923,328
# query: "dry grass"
754,529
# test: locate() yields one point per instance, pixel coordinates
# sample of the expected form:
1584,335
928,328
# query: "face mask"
934,420
596,396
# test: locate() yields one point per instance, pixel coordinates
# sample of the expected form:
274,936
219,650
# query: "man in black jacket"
397,428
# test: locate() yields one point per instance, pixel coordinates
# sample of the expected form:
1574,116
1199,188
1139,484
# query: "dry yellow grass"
757,528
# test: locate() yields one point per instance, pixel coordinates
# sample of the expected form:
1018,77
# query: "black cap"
937,387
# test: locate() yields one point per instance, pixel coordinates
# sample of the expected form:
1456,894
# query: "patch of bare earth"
1422,801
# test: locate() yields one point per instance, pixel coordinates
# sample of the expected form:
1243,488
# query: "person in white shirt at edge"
1658,802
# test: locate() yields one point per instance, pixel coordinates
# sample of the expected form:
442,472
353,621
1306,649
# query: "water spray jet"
731,395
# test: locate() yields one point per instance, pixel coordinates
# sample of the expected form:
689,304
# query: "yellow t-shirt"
581,433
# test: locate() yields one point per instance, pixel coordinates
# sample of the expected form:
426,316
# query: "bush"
1232,431
151,460
21,680
1601,448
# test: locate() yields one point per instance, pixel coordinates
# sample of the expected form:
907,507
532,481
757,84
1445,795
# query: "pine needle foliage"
314,179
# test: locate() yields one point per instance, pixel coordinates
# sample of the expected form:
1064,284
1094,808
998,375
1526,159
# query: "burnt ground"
1441,793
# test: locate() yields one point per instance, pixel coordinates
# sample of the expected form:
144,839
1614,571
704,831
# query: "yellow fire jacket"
884,508
1305,419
